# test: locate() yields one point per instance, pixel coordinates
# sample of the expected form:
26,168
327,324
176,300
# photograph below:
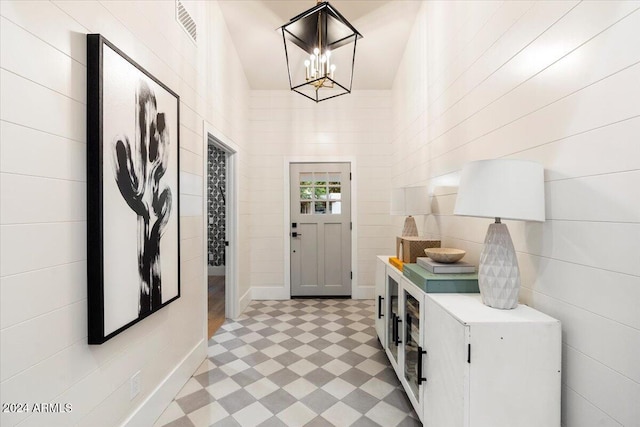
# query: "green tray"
441,283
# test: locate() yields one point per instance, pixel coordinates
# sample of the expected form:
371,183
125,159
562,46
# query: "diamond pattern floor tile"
302,362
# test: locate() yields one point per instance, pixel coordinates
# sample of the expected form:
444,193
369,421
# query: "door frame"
287,219
219,140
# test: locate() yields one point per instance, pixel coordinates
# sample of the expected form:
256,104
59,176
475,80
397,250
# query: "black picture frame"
133,187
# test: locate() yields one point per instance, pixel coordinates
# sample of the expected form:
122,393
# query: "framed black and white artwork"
133,236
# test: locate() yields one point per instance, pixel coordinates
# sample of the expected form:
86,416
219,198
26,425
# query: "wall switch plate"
134,384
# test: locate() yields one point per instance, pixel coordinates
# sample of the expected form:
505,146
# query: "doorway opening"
220,216
216,236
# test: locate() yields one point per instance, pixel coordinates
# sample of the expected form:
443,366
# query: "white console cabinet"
464,364
490,368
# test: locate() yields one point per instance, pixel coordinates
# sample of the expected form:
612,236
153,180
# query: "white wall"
559,83
43,332
285,125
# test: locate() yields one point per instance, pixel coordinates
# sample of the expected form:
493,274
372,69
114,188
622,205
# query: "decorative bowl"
445,255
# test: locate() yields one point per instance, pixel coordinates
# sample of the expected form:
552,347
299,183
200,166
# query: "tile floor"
311,362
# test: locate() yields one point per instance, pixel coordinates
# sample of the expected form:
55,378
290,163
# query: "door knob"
295,234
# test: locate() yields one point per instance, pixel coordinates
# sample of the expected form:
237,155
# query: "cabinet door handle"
393,327
421,352
398,320
380,315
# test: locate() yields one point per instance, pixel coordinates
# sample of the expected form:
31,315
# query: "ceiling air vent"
186,21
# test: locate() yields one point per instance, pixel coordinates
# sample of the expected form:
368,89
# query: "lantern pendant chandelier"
318,33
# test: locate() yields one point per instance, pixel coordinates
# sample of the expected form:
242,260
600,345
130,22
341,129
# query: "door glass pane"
334,179
305,208
393,310
320,178
321,207
334,193
320,193
306,193
335,208
412,340
306,178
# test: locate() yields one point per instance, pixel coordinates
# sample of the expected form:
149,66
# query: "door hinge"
352,275
349,176
350,226
468,353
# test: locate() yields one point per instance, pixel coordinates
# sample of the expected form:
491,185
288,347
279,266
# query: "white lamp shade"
502,188
410,201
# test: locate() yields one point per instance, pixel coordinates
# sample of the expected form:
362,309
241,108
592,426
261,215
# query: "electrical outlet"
134,384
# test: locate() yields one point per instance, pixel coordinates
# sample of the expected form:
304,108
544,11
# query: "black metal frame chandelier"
318,33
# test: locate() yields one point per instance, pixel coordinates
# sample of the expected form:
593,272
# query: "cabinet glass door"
412,356
393,336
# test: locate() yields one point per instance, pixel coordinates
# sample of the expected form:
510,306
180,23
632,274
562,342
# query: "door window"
320,193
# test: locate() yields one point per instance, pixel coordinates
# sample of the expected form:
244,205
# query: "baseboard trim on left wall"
152,407
245,300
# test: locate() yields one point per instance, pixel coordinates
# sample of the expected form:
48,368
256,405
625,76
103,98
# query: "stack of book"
442,268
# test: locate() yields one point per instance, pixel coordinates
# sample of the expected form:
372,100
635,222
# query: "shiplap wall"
43,332
285,125
559,83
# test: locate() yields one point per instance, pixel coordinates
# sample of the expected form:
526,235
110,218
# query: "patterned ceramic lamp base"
498,274
410,227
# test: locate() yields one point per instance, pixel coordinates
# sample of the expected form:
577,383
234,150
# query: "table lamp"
410,201
501,189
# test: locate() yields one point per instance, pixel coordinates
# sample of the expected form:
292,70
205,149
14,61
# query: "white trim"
262,293
364,292
231,274
244,301
216,270
355,294
154,405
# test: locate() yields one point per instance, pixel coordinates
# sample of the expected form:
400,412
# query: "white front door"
320,229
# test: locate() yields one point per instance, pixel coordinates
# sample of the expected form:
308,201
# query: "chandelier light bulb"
316,51
306,67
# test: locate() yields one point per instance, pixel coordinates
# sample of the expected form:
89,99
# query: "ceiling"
254,27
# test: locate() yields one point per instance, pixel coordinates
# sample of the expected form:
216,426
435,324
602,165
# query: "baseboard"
244,301
280,293
216,270
364,292
269,293
154,405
